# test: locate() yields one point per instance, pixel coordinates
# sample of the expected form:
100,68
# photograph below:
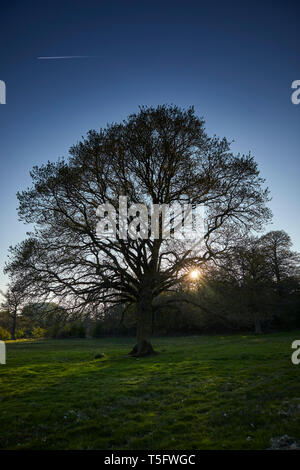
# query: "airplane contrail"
65,57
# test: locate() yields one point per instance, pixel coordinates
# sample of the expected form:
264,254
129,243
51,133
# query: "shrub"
64,332
97,330
70,330
38,332
78,330
4,334
20,333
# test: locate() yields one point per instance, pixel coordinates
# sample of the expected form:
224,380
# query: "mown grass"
201,392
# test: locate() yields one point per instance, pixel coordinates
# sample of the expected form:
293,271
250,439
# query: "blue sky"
234,61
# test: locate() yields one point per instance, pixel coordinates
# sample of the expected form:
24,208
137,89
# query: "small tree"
246,272
284,263
14,298
46,315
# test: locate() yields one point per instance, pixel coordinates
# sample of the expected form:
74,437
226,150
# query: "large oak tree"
160,155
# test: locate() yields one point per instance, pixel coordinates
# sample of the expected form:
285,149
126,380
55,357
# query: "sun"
195,274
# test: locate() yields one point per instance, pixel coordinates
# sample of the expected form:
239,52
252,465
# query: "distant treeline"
253,287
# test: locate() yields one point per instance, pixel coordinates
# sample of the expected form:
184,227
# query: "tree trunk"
257,324
14,326
143,345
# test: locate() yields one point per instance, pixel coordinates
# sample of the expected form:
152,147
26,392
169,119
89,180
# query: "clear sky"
234,61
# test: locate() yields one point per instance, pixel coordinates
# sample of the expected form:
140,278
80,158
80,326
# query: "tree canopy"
160,155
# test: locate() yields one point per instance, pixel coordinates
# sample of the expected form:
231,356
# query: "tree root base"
142,349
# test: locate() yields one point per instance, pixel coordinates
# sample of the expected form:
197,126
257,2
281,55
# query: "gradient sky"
234,61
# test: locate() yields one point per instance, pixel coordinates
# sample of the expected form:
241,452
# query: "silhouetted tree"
14,297
158,156
283,262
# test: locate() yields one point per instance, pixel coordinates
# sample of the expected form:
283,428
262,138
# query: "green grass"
201,392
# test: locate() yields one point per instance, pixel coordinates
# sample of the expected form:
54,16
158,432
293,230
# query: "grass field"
200,392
